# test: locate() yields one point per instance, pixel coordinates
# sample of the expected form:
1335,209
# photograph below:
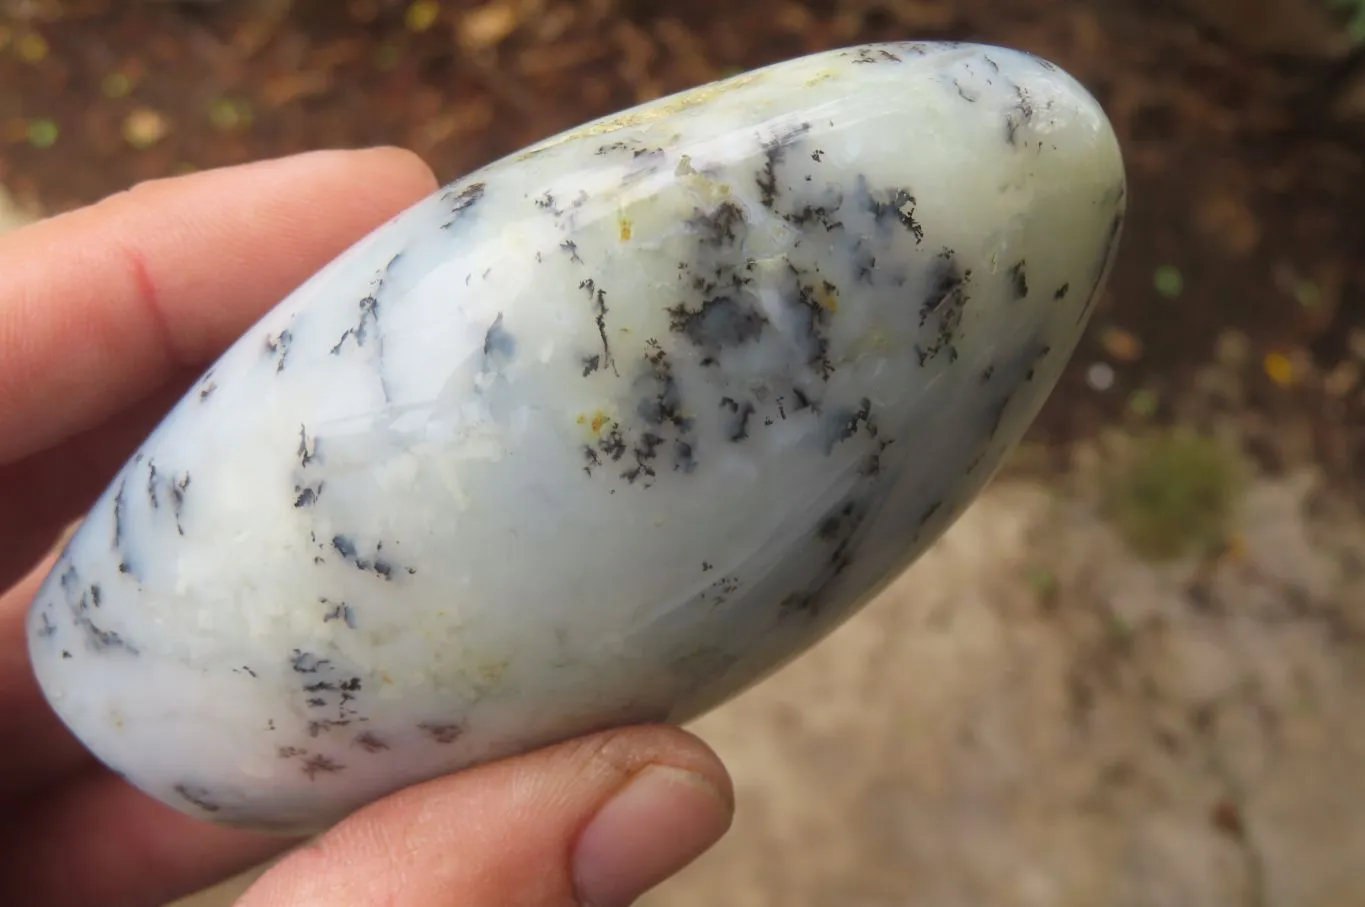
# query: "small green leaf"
42,133
1168,280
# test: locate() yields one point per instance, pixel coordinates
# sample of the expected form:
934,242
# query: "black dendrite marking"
612,445
377,564
867,55
718,228
1018,280
831,526
1033,368
80,601
329,695
307,495
307,450
200,797
895,205
301,662
338,611
442,732
720,323
318,764
661,409
774,152
459,201
740,414
1045,64
849,423
838,531
823,215
644,162
563,217
590,459
101,640
360,332
813,320
152,496
720,311
871,467
179,485
120,513
277,347
370,742
719,592
1018,115
597,297
546,202
946,300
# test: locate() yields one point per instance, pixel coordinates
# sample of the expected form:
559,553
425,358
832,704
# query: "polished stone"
602,433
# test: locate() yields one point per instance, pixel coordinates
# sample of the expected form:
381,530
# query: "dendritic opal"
602,433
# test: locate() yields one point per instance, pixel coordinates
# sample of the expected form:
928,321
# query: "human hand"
106,316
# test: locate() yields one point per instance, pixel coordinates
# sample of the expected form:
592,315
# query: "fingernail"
663,819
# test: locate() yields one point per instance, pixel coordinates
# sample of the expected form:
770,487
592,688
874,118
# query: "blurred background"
1134,673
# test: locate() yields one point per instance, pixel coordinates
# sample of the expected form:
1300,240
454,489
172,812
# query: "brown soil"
1245,184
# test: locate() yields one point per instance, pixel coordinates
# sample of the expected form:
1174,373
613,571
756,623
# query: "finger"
596,821
101,305
97,840
287,217
35,747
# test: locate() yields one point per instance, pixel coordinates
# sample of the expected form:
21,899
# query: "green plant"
1176,495
1356,10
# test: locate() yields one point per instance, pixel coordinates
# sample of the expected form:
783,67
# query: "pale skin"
106,314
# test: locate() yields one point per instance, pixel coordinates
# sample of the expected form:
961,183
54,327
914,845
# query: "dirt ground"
1044,715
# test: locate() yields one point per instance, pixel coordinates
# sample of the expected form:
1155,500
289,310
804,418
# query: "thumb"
595,822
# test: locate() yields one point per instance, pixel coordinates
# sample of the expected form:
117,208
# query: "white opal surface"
600,434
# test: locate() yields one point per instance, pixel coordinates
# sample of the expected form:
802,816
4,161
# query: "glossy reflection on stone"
602,433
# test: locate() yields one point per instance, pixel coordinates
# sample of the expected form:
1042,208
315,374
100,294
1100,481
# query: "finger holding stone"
102,304
595,821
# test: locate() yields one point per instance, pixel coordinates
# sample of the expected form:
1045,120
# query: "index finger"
101,305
